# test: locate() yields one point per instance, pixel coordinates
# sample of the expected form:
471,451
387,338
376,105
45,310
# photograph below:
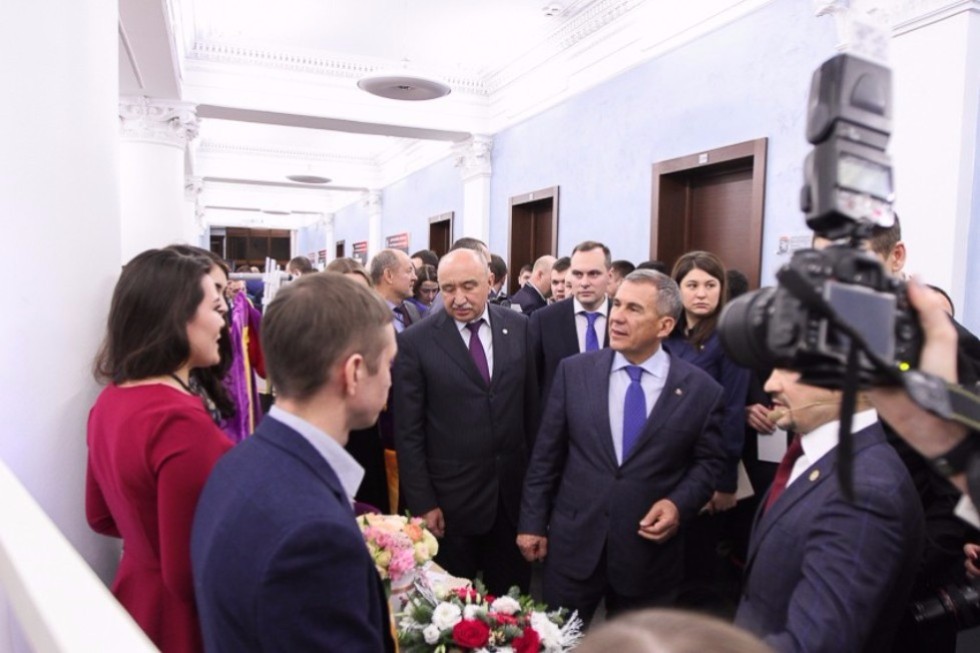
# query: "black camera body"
847,194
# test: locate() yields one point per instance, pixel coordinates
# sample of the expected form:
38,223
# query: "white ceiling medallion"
404,83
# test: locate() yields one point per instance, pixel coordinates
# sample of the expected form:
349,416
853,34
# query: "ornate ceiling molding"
320,64
157,121
207,147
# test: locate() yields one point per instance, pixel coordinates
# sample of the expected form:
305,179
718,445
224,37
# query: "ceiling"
275,84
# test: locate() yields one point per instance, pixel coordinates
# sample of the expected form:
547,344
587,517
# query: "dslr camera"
826,299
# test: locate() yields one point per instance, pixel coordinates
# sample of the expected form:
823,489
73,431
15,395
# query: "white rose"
505,605
446,615
471,611
549,633
431,634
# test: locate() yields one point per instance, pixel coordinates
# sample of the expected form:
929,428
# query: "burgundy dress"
151,448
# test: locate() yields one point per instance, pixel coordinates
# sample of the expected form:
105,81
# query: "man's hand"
533,547
972,562
720,502
435,522
757,416
661,522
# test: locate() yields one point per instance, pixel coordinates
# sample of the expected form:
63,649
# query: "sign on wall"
359,252
397,241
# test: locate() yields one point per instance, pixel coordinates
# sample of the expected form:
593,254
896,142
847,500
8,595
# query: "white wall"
59,207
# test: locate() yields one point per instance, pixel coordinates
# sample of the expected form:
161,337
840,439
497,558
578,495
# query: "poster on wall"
397,241
359,252
321,258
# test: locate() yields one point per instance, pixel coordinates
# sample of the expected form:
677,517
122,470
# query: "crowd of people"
587,437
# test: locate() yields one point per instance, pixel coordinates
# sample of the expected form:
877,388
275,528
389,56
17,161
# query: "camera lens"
742,329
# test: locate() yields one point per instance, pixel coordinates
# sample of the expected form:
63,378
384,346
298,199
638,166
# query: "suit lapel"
598,395
447,337
505,346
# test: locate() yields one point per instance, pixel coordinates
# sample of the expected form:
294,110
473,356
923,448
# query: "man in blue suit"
627,452
825,573
279,561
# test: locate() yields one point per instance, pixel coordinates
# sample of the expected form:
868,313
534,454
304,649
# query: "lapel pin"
505,332
678,392
814,475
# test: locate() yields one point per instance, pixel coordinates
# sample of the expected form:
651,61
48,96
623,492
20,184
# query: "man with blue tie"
627,452
578,324
464,405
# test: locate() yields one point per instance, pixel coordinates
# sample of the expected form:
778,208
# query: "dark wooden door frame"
339,245
551,193
754,149
449,217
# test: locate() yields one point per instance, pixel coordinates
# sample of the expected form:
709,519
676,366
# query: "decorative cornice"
207,147
472,156
157,121
321,64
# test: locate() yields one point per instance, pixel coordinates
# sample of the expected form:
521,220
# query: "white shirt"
652,380
821,440
486,336
582,322
343,464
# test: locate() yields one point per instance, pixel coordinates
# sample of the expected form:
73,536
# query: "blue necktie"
634,409
591,339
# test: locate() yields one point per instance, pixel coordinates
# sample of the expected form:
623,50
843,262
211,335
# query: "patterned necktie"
779,482
591,338
634,409
476,350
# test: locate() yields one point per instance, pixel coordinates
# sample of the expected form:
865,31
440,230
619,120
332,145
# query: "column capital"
372,201
472,156
165,122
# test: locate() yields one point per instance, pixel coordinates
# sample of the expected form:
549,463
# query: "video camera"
836,313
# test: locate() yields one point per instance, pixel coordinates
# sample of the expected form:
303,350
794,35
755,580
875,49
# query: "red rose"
472,633
489,598
529,642
503,618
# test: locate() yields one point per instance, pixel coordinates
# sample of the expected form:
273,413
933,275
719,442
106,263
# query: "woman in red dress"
151,442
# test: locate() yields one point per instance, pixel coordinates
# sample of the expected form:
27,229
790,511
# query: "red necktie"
794,451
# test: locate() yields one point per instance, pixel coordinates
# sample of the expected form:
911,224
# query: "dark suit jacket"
279,562
462,446
583,500
825,574
554,337
529,299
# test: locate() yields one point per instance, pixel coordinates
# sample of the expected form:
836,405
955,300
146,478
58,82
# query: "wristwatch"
957,460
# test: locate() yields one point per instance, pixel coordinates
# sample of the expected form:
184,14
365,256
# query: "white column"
329,241
154,138
194,219
935,55
473,161
59,196
372,204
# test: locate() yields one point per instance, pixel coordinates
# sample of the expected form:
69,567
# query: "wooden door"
338,249
441,233
711,201
533,230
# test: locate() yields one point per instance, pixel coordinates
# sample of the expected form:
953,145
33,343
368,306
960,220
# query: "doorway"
441,233
338,249
533,230
711,201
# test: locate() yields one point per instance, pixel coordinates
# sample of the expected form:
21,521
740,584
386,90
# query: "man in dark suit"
573,325
279,561
825,573
627,453
534,294
463,407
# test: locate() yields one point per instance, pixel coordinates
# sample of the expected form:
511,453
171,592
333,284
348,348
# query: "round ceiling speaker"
308,179
402,86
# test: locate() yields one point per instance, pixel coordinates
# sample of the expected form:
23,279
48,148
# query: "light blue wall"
310,240
408,204
745,81
350,224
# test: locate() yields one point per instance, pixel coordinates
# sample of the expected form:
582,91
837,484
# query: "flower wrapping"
398,545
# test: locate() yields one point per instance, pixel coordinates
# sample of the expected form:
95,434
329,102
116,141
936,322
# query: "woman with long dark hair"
151,441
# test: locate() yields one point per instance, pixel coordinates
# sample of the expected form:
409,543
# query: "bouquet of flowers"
467,619
398,545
